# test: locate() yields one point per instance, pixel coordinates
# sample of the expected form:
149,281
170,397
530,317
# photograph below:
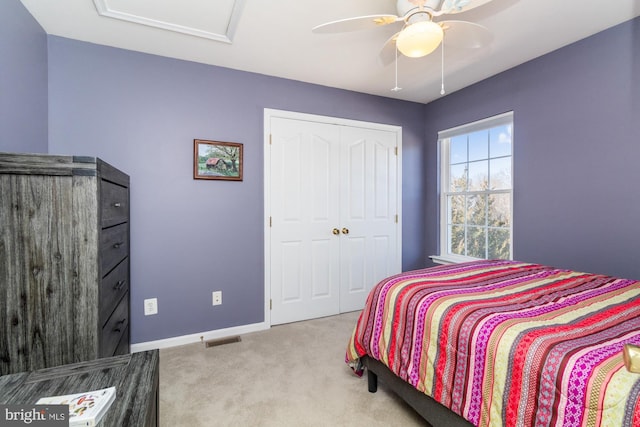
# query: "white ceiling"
274,37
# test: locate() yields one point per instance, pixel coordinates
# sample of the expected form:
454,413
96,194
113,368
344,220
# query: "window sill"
451,259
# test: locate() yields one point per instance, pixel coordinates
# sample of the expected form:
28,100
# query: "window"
476,190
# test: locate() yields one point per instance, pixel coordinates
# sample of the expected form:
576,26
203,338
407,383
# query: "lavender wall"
191,237
576,152
23,80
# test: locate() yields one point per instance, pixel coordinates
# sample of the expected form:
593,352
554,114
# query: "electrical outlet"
150,306
217,297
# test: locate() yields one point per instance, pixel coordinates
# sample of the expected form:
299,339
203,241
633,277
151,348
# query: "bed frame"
436,414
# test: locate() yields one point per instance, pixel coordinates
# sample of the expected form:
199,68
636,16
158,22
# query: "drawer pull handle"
117,205
117,328
117,245
119,285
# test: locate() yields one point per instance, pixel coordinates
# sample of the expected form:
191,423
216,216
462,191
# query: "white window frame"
443,154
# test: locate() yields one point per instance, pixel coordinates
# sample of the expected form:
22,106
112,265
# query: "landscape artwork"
217,160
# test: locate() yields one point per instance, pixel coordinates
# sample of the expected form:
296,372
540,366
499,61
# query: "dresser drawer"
114,204
114,246
112,289
115,328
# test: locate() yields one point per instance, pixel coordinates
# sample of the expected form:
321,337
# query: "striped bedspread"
505,343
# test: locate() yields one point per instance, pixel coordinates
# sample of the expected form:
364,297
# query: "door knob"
345,231
336,231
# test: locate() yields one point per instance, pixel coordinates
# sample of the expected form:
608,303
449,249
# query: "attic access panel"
215,20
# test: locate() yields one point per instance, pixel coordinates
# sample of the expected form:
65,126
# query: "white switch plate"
150,306
217,297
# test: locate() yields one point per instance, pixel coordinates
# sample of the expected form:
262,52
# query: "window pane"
477,209
479,176
499,243
456,239
479,145
500,141
458,178
477,242
458,149
477,191
499,210
500,173
456,210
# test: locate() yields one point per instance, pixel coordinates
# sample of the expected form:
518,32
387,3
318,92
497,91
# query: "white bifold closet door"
334,216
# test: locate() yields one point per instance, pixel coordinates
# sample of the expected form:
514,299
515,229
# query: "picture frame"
217,160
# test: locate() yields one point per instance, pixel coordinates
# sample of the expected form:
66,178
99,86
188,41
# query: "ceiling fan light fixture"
419,39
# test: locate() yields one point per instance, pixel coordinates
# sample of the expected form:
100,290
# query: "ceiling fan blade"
357,23
464,34
457,6
388,52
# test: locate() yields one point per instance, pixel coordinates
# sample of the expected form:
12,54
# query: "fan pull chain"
396,88
442,92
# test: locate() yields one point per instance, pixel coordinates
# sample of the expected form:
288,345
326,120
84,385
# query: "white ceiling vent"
215,20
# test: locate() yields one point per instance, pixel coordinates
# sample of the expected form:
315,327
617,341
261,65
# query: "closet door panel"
368,205
304,250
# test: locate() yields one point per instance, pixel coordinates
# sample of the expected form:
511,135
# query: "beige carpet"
289,375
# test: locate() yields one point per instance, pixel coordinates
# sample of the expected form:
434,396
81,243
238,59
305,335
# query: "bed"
503,343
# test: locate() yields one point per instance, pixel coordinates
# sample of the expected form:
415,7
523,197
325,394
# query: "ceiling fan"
421,33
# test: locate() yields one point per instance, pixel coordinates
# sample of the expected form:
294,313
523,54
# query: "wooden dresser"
64,261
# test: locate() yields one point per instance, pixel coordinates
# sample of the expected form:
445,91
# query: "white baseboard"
195,338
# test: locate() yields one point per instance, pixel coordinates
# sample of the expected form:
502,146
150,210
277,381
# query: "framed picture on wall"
217,160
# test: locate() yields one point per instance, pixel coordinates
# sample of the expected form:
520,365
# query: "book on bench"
85,409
